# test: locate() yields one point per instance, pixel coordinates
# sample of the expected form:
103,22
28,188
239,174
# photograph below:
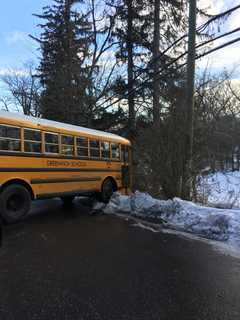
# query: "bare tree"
6,103
217,123
101,63
24,90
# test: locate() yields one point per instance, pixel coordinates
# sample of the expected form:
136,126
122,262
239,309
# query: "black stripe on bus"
54,156
57,170
63,180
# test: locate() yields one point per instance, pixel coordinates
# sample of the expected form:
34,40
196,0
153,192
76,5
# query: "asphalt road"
67,264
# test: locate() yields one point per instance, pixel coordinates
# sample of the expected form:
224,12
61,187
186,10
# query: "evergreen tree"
144,31
154,25
64,45
130,33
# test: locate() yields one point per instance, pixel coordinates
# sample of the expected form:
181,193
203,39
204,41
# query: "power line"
150,63
201,56
199,29
218,48
220,37
135,90
218,16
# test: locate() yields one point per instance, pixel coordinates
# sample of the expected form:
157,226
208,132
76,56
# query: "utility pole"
190,91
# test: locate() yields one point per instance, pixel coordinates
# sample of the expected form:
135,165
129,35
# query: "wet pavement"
63,263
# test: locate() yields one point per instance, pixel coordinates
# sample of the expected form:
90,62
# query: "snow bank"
211,223
221,189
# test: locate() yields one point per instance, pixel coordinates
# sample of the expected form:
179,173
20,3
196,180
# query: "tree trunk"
131,120
232,159
189,113
69,112
156,51
238,158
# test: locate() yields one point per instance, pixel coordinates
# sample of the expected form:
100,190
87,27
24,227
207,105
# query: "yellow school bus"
42,159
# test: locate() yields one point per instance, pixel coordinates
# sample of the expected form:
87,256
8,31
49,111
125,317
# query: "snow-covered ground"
221,189
211,223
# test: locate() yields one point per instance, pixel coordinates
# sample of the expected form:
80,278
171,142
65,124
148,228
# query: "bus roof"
49,124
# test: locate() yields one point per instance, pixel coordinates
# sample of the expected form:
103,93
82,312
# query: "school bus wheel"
15,203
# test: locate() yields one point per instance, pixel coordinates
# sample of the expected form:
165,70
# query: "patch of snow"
118,203
221,189
144,226
98,206
210,223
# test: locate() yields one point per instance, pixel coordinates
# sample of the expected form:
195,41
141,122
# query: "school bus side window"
105,146
82,147
115,151
32,141
10,138
51,143
94,149
67,145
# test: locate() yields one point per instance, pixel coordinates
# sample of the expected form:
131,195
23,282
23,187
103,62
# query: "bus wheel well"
114,183
19,182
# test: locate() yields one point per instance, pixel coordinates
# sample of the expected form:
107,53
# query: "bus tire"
15,203
67,200
107,190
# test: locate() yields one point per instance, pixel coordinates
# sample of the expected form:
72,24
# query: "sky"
227,58
17,22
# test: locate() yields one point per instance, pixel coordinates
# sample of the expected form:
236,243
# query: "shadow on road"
64,263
